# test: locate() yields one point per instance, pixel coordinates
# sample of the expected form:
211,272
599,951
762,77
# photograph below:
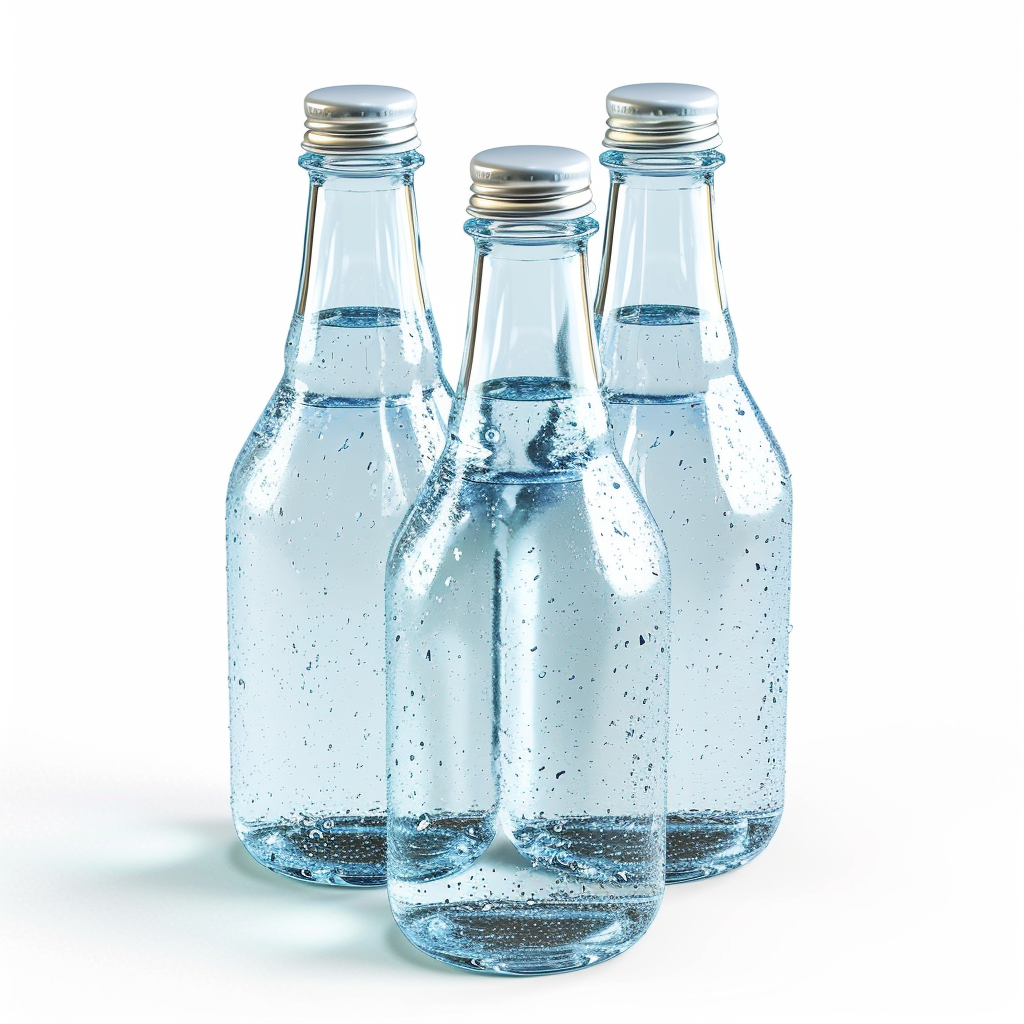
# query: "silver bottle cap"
535,182
354,118
662,115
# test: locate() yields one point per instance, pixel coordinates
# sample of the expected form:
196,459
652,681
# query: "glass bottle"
326,475
710,469
527,609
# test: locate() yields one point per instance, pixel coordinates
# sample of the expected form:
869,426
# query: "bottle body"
718,486
331,467
527,610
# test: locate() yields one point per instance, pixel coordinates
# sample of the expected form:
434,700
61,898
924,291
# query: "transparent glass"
718,485
345,442
527,617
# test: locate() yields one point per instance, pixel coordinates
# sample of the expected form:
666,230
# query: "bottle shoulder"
714,448
737,414
593,511
331,448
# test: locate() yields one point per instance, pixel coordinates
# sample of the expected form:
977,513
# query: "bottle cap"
353,118
662,115
536,182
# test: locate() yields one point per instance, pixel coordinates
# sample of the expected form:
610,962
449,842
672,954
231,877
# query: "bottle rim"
662,161
362,164
532,231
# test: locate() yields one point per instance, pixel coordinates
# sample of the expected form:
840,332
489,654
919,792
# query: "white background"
152,218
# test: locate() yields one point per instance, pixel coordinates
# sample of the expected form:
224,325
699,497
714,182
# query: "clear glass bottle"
710,469
527,611
326,476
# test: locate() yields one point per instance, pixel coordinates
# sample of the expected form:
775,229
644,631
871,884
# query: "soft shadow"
193,885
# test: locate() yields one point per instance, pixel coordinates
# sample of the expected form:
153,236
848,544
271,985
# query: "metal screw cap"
538,182
352,118
662,115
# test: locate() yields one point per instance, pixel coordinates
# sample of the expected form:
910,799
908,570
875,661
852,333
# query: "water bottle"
527,622
326,476
710,469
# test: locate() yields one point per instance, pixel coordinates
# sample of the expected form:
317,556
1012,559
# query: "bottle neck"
529,346
661,311
362,327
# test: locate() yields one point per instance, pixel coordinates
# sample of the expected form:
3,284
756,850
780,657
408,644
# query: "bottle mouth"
537,229
361,163
663,162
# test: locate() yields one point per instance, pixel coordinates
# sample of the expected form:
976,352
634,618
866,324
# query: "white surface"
152,222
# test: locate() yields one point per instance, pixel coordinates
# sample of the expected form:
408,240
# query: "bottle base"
702,845
512,937
331,850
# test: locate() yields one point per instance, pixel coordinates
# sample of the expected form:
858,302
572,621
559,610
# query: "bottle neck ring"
362,164
523,231
662,163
